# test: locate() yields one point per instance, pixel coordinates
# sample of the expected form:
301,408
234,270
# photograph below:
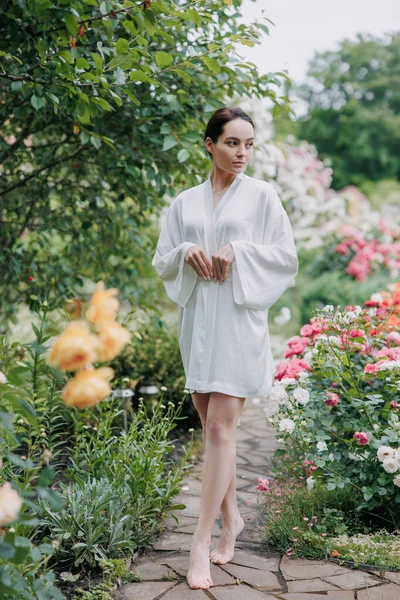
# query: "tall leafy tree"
102,106
353,117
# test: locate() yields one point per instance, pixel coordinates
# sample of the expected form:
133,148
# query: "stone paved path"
253,574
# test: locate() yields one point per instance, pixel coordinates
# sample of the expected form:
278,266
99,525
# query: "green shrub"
153,358
336,288
121,487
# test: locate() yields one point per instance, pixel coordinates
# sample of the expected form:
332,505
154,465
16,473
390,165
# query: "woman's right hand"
197,259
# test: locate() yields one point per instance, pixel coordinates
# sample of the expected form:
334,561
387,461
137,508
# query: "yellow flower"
113,339
74,348
88,387
103,307
10,504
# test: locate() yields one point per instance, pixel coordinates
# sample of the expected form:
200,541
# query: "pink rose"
361,437
331,399
307,330
394,337
370,368
342,249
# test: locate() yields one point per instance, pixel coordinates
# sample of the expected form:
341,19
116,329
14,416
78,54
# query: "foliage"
320,524
102,103
359,255
153,358
24,572
120,488
335,288
353,108
302,522
334,399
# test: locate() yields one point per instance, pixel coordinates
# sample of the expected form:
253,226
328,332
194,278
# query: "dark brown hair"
216,124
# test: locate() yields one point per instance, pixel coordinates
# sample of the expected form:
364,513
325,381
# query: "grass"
320,524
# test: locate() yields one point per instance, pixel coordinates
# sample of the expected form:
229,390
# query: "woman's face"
234,147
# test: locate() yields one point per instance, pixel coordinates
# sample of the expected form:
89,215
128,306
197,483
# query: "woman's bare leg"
232,522
222,416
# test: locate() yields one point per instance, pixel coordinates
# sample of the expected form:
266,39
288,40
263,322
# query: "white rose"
384,452
310,482
328,308
286,425
349,317
377,298
335,340
3,378
10,504
331,457
271,409
288,381
303,375
308,357
322,446
278,393
397,454
391,465
396,480
301,396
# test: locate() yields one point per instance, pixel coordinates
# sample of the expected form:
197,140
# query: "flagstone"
341,595
383,592
151,570
392,576
255,577
310,585
174,541
301,568
180,564
354,580
255,561
239,592
148,590
183,592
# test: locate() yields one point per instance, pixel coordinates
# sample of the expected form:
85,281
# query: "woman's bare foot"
199,576
225,549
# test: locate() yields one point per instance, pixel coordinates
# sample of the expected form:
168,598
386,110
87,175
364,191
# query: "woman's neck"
220,179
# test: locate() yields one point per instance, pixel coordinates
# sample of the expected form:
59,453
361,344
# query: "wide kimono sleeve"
262,272
169,260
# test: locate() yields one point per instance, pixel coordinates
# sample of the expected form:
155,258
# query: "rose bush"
336,401
361,254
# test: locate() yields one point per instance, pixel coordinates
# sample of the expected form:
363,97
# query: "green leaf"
101,102
71,24
38,102
183,155
95,141
98,61
132,97
122,46
82,63
211,63
66,55
124,61
163,59
169,142
185,76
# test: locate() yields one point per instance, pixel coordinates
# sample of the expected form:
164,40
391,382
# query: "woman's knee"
219,431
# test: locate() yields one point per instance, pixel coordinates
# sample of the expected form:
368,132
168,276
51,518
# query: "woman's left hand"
221,259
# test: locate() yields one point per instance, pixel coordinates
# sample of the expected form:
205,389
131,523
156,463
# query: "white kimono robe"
223,328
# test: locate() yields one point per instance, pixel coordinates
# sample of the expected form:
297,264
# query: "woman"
225,254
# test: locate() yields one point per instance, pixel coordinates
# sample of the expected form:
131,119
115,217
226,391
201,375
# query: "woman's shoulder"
262,187
189,193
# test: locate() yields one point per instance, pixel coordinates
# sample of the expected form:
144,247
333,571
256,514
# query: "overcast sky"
303,27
